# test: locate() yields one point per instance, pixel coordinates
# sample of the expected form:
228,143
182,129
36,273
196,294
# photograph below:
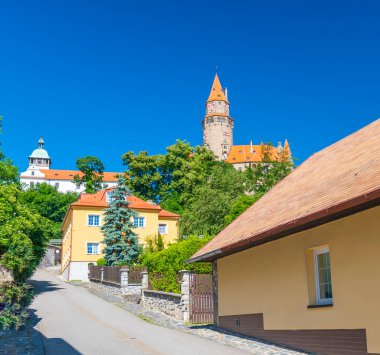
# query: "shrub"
164,265
13,300
101,262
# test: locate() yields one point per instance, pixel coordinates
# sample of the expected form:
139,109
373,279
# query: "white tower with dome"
39,159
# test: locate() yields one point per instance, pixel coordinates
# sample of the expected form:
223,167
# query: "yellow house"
301,267
82,237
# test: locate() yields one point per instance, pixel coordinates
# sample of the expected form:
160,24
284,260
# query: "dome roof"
39,153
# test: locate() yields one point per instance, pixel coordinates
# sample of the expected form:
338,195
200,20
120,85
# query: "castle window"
57,185
31,184
32,173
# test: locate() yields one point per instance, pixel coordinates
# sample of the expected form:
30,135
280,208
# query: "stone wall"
124,289
165,302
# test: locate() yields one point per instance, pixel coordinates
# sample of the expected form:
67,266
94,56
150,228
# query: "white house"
39,171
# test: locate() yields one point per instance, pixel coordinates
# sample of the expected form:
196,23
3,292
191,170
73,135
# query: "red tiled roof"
340,179
98,199
52,174
254,153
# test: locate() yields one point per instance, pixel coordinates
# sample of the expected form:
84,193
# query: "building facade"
300,267
39,171
82,237
218,131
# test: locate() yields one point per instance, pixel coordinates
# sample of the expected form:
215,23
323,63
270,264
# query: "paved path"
74,321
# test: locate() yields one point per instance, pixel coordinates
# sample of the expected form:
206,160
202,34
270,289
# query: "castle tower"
218,126
39,159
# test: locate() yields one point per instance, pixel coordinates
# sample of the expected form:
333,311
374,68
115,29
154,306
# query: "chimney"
226,93
251,147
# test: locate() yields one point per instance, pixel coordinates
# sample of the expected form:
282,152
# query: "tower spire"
41,143
217,93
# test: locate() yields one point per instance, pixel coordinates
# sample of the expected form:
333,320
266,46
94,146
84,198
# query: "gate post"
185,295
124,276
215,291
101,274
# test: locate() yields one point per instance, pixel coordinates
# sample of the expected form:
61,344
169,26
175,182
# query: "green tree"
239,206
92,173
49,203
121,243
169,179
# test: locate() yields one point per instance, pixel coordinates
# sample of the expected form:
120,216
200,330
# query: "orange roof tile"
52,174
98,199
340,179
167,214
217,93
252,153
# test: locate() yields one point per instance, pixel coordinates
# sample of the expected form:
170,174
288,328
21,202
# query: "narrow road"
74,321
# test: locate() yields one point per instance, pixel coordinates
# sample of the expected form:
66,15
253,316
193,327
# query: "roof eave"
344,209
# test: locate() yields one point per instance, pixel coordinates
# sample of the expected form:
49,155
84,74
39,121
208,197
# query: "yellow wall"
273,279
77,219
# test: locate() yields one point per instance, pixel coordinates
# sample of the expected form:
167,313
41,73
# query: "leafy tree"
262,177
239,206
171,178
49,203
92,169
121,243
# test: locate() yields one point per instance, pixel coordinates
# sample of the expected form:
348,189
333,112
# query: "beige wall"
273,279
74,246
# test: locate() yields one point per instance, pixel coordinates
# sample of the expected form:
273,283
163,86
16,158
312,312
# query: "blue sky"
105,77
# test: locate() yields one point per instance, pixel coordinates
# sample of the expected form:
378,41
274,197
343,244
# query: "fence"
112,274
135,274
95,272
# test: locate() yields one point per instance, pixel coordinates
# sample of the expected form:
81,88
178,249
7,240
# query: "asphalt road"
74,321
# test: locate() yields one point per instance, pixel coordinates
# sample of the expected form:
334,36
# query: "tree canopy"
207,193
92,169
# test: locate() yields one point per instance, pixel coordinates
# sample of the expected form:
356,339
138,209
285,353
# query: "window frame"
138,217
166,228
88,220
318,299
97,243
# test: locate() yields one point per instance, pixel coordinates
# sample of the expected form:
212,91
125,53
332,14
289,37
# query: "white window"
57,185
323,284
108,197
93,220
92,248
139,222
162,228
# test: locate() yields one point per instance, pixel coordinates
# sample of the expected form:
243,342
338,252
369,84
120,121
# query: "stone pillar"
124,275
144,284
185,295
101,274
144,281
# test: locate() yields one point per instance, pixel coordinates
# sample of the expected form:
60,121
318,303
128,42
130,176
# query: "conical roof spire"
217,93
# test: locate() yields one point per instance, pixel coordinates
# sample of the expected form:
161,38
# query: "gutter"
344,209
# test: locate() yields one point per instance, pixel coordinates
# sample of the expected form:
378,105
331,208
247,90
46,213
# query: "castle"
39,171
218,129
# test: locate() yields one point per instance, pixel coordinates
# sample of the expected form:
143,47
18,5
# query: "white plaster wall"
78,270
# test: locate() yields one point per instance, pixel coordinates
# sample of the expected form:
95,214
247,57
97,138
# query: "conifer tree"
121,243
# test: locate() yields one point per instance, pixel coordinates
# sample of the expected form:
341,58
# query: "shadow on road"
28,340
43,286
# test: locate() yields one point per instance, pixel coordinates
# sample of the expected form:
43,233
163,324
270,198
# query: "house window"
139,222
57,185
108,197
93,220
162,228
32,173
322,271
92,248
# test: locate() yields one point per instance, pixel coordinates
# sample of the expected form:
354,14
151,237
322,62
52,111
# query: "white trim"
317,252
144,221
98,253
166,228
93,225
